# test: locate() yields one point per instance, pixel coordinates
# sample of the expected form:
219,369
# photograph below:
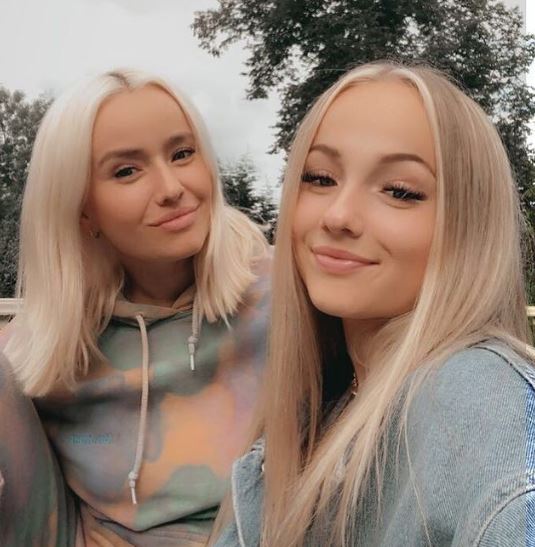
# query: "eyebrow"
327,150
384,160
394,158
133,153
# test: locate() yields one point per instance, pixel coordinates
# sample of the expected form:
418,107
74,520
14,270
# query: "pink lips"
337,261
177,220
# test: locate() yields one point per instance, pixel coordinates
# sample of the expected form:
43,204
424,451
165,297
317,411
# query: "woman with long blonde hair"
142,332
400,232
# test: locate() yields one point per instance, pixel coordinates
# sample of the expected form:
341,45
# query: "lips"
338,261
172,215
176,220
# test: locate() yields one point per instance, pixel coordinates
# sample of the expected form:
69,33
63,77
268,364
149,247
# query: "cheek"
306,217
408,243
118,206
198,180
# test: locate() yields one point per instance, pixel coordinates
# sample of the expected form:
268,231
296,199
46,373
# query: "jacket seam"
502,355
236,512
516,494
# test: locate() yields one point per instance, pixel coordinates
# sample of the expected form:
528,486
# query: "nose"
169,188
344,215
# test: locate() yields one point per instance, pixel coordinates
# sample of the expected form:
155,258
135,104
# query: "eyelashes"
183,153
124,172
181,156
317,179
403,193
397,191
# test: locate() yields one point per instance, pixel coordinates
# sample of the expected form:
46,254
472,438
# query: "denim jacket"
470,480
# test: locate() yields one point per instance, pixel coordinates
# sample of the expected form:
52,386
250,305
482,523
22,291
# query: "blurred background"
252,68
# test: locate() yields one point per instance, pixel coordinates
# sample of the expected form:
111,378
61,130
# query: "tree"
300,47
239,180
19,120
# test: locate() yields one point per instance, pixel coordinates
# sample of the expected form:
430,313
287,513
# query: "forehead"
137,114
380,115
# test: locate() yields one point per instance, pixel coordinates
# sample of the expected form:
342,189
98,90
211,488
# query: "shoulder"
262,266
490,375
258,294
480,390
471,434
512,522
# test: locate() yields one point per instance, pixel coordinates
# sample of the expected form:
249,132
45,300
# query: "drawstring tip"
192,341
134,497
132,479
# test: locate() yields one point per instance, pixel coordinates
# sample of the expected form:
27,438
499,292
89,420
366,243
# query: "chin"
186,249
337,306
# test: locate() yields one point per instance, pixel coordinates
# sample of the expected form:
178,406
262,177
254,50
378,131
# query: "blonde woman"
142,333
400,230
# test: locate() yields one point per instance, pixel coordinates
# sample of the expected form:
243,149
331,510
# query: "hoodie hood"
125,311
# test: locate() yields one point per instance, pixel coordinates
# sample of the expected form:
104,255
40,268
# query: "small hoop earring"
94,234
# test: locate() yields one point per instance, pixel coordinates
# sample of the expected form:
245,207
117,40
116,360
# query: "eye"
183,153
403,193
317,179
125,172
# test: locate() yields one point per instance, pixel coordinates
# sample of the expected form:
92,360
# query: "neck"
360,335
158,284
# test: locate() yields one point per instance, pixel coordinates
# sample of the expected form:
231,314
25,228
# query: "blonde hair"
68,281
473,289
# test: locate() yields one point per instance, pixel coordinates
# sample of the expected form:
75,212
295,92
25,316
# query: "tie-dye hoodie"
196,420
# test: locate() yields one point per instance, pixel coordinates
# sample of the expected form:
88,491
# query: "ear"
85,223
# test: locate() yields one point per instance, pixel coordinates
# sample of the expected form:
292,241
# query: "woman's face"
150,189
366,209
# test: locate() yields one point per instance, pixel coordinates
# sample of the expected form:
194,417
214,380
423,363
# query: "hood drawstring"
142,429
133,475
194,338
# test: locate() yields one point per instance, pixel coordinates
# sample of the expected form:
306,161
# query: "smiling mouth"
336,261
181,220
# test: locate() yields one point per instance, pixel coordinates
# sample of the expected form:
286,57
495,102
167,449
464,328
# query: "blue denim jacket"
471,441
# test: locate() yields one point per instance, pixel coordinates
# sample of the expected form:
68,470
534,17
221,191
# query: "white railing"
10,306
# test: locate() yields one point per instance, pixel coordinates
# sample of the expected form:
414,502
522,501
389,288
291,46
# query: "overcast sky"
47,44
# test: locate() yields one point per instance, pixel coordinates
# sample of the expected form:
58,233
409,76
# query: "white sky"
47,44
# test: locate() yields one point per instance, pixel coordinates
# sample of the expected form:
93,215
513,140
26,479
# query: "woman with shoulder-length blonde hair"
399,230
142,332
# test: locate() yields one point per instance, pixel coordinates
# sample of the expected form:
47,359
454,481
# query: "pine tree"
239,180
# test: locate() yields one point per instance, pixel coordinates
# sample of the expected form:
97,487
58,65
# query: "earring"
95,234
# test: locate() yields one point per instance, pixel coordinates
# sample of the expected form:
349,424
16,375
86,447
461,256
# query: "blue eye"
402,193
317,179
183,153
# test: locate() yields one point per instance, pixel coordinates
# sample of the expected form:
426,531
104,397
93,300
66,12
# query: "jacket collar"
247,494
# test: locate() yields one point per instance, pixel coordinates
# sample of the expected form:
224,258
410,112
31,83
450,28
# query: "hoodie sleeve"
36,507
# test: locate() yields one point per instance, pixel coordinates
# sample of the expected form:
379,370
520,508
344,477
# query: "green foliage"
19,120
239,180
298,48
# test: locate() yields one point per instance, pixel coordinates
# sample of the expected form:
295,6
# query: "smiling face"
150,189
365,215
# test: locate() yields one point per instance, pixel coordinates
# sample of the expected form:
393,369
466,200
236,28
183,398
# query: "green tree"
300,47
19,120
239,180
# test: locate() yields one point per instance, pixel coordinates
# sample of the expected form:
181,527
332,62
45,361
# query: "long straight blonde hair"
473,289
68,281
